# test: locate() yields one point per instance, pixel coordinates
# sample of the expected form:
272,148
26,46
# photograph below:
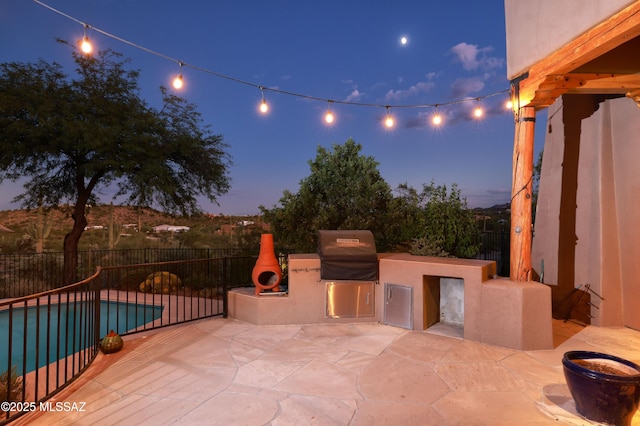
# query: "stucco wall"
537,28
548,206
608,246
594,238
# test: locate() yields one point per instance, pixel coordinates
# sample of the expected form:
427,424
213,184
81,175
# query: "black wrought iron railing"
49,338
23,274
495,246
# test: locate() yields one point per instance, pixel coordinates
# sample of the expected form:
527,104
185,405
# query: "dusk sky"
346,51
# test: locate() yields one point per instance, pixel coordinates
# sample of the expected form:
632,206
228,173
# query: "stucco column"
521,193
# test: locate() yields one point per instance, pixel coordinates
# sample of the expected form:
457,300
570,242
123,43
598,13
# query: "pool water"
117,316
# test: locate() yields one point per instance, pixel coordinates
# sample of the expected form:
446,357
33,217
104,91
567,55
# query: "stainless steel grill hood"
347,255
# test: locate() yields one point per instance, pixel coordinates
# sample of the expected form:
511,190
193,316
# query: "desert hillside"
18,220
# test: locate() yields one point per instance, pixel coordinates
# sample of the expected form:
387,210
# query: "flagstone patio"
228,372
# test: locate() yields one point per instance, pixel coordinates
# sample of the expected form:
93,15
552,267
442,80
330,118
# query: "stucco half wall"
496,310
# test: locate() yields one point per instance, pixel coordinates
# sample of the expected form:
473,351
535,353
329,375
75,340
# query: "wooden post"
521,193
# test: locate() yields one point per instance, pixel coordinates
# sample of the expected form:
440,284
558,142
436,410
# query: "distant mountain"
98,217
495,208
505,206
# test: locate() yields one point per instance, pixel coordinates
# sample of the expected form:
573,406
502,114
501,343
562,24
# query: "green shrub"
424,247
450,224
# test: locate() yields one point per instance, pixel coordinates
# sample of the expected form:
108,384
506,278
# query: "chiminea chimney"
267,273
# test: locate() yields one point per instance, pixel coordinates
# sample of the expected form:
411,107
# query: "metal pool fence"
49,338
22,274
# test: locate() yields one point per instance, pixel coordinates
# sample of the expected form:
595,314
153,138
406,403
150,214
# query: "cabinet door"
350,299
398,305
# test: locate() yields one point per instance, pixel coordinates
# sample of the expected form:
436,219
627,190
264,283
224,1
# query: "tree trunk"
71,241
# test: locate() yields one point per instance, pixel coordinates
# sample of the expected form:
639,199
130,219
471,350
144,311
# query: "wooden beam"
554,86
604,37
521,193
611,84
635,95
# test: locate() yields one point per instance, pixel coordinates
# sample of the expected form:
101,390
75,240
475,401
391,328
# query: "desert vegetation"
135,230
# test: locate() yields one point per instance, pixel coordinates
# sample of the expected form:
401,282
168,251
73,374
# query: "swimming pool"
69,319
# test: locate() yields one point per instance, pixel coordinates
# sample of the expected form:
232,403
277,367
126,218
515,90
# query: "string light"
329,117
477,111
389,122
264,107
85,44
436,119
178,82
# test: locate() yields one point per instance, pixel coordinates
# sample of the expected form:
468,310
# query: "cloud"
378,85
354,96
463,87
472,57
420,120
416,89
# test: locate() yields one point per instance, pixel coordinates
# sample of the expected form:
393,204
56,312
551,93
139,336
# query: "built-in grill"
349,269
347,255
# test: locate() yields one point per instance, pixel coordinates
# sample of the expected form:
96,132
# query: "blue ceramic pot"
604,387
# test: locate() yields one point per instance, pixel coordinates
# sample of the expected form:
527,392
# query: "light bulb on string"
389,122
85,44
264,107
477,111
329,118
436,119
178,82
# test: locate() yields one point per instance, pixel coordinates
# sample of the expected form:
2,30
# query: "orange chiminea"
267,273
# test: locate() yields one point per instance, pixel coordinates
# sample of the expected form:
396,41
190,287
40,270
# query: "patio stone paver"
227,372
322,379
307,410
479,376
392,378
490,408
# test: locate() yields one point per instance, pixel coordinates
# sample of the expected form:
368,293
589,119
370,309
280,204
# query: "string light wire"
262,88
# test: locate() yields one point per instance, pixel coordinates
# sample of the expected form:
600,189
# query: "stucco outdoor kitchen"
413,292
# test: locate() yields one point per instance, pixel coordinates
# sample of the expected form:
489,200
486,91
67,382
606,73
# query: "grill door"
398,305
350,299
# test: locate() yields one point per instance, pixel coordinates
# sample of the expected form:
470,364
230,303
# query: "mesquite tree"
72,138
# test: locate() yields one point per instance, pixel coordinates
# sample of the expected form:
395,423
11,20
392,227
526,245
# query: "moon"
404,40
